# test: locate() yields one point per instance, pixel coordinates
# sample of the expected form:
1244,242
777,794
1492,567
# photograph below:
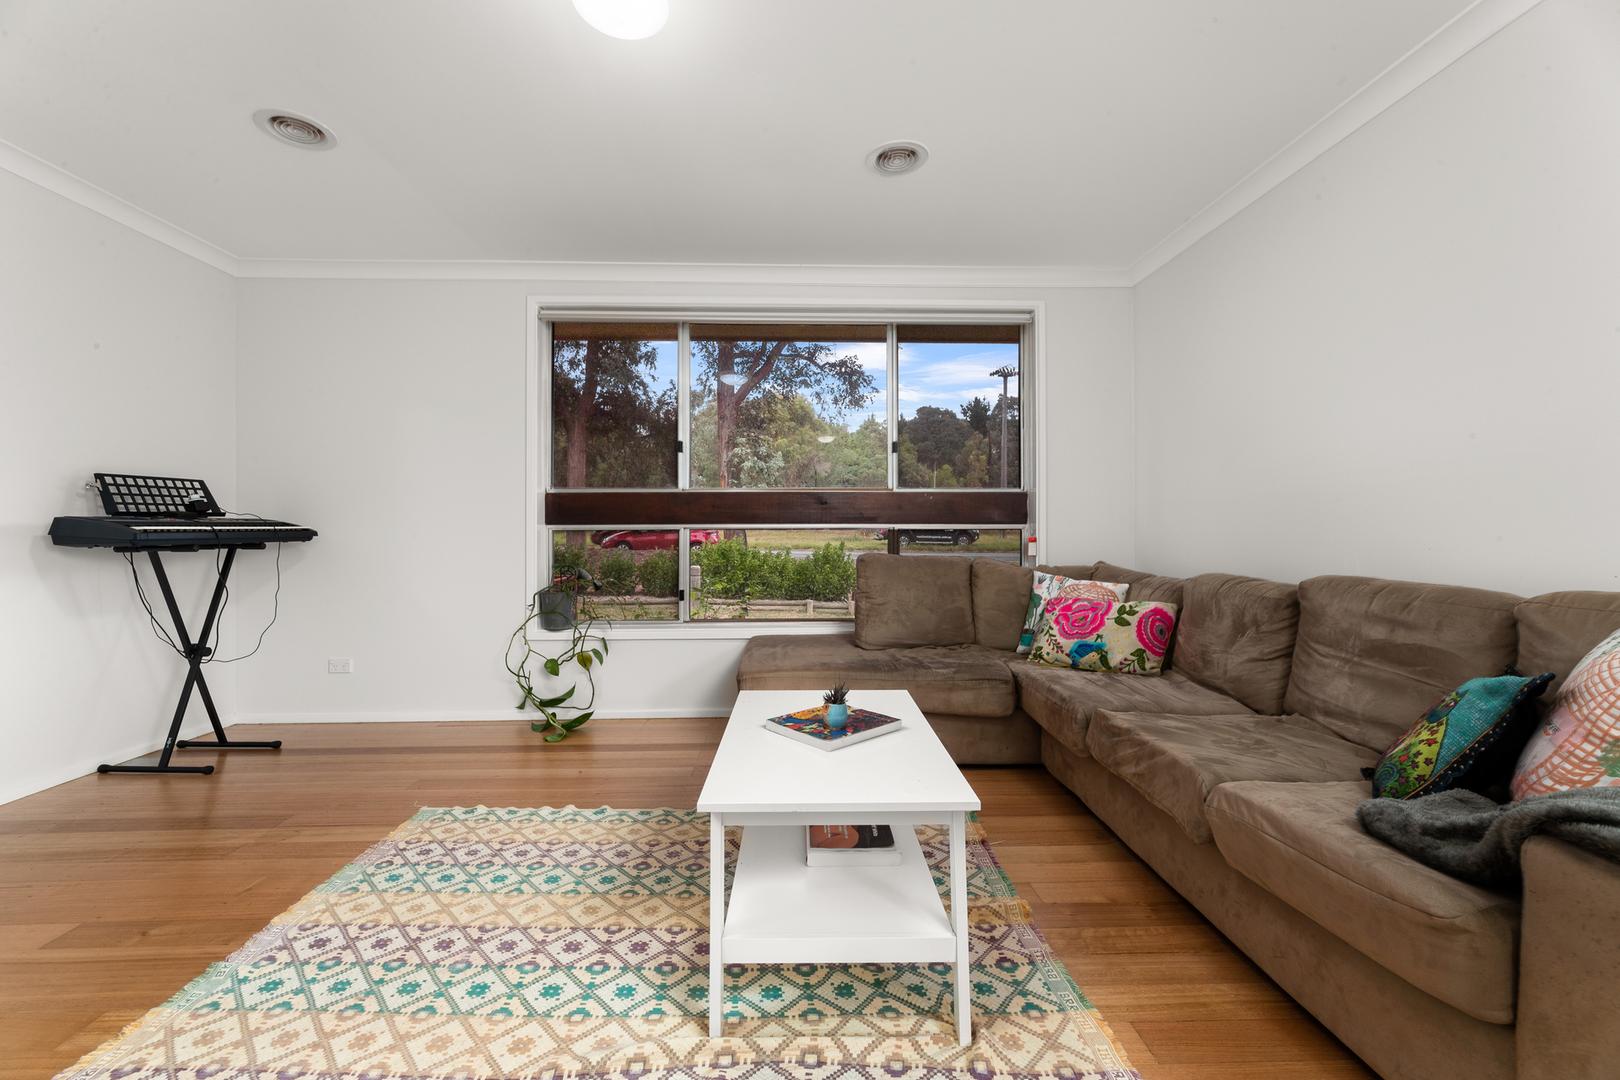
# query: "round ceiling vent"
893,159
295,130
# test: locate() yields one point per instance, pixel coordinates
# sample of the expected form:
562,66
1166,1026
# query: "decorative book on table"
850,845
810,726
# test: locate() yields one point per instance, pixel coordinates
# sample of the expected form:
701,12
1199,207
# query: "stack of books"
850,845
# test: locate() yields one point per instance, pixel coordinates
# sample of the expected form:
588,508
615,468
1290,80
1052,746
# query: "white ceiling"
1062,132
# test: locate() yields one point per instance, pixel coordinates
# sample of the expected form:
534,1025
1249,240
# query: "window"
789,406
613,405
772,575
732,471
959,406
635,573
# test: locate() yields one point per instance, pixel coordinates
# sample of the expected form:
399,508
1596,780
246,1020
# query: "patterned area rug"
483,943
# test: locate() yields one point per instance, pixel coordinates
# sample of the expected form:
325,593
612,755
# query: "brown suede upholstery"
956,680
1302,843
1177,761
1167,590
1063,702
1571,933
1414,970
1236,635
1557,630
978,740
1397,1029
1373,655
1078,571
1001,594
905,600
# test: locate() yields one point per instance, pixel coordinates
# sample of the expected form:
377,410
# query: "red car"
652,539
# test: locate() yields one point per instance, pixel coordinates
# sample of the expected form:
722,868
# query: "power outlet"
339,665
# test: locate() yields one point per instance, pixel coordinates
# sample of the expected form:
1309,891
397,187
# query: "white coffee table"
784,912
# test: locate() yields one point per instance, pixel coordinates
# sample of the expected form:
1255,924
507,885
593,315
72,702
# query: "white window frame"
543,310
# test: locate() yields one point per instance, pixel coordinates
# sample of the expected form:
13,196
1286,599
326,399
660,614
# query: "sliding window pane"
613,405
959,406
633,574
789,406
777,574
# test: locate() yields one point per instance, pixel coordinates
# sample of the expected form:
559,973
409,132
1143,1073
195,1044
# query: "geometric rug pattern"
477,943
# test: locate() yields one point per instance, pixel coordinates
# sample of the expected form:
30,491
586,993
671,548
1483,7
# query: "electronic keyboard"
174,533
154,514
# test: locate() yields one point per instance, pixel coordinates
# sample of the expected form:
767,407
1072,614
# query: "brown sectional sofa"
1236,774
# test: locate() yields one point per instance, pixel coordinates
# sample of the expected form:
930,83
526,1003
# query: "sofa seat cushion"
1175,762
962,680
1301,842
1063,701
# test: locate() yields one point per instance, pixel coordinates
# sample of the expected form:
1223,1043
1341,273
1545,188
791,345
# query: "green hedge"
657,574
734,571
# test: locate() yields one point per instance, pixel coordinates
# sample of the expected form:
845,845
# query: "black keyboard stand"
195,652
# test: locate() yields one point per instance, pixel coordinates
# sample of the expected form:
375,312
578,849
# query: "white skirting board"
85,764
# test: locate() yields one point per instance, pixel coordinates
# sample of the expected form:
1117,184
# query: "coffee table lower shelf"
784,912
781,911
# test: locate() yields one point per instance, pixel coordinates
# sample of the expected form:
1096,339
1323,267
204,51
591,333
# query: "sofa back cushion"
905,600
1078,571
1000,598
1557,629
1237,636
1166,590
1373,655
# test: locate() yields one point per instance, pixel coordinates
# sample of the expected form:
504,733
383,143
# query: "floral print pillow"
1048,586
1125,637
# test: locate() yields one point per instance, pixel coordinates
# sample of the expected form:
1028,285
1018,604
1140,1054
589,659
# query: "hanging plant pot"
556,610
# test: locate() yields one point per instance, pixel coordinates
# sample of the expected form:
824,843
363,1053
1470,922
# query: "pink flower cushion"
1047,586
1578,746
1126,637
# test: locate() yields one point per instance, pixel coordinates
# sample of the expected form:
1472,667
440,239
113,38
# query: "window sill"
707,631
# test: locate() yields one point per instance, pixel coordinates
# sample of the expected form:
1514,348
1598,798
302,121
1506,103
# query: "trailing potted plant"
554,608
837,701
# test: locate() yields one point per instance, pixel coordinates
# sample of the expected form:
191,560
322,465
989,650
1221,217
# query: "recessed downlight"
294,130
898,158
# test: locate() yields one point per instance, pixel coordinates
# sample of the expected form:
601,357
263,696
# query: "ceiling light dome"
627,19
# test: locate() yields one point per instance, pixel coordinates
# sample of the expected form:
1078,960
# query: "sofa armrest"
1568,958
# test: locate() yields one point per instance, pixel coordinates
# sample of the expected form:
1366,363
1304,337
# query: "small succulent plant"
838,695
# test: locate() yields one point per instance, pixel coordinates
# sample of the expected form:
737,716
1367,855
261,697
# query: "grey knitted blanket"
1468,836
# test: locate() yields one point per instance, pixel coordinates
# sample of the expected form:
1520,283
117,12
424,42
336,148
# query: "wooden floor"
117,890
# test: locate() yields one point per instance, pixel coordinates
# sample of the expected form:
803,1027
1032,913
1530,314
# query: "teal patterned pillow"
1477,726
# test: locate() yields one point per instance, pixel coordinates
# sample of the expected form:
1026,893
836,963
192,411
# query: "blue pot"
837,715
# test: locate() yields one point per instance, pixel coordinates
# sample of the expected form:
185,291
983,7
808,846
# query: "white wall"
1405,360
115,353
390,415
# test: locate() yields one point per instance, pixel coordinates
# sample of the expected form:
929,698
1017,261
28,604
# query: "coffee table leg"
959,923
717,923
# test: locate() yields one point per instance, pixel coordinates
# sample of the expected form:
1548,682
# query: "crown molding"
54,178
894,276
1471,28
1467,31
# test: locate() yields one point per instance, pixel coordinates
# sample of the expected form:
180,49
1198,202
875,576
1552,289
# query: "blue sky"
931,373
